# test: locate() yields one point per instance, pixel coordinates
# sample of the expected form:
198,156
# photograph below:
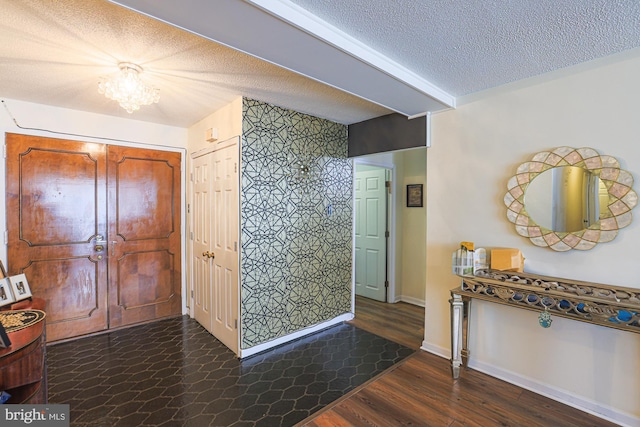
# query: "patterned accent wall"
296,258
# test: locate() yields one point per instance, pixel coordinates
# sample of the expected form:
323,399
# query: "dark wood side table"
23,371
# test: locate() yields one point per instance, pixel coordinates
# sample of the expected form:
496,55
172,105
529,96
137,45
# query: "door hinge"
236,323
235,246
386,234
191,235
4,151
191,293
386,283
191,176
388,185
188,208
235,167
6,237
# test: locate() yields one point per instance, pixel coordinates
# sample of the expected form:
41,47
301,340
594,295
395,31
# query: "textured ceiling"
54,52
466,46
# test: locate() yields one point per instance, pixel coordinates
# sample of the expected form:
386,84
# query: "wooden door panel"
145,279
56,209
70,287
145,202
57,187
144,235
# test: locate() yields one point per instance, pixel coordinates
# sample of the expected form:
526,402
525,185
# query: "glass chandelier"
128,89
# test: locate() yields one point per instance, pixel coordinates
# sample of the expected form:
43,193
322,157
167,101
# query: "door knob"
100,243
209,254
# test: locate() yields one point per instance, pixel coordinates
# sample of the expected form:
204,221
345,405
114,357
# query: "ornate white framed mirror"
570,198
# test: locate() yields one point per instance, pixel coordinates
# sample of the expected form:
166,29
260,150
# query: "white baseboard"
410,300
586,405
592,407
246,352
445,353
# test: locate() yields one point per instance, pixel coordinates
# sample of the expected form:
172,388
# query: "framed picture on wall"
20,287
414,195
6,294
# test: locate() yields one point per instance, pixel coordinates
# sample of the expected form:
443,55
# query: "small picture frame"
414,195
3,272
6,294
20,287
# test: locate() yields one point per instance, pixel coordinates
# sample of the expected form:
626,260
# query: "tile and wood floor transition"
173,373
401,322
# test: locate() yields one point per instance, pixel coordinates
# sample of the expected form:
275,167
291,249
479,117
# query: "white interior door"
371,227
215,243
202,279
225,247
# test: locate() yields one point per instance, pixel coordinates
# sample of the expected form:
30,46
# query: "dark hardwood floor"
400,322
421,392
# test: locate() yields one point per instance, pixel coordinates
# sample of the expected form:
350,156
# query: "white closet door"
225,246
215,243
202,279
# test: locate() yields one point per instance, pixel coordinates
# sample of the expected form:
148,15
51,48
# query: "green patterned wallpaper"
296,255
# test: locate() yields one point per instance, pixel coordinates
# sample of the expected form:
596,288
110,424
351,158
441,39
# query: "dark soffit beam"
387,133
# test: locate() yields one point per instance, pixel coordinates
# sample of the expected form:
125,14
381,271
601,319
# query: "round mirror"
566,199
570,198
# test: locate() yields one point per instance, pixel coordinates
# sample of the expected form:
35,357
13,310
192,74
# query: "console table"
23,372
605,305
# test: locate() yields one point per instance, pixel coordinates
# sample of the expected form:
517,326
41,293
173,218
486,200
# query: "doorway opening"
405,244
97,230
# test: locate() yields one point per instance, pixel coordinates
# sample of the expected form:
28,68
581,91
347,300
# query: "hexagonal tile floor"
174,373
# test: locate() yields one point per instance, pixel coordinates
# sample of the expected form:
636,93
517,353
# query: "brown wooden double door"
96,230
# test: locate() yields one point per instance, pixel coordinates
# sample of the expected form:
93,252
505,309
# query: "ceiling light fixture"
128,89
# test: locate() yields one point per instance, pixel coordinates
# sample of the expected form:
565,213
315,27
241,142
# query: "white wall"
413,229
55,122
227,120
476,148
